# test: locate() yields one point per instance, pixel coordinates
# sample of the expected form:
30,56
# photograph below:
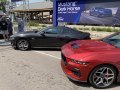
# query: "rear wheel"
103,76
23,45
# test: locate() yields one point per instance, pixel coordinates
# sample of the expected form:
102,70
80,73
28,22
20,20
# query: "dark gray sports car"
50,37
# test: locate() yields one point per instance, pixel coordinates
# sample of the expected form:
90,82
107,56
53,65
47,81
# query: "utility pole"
26,14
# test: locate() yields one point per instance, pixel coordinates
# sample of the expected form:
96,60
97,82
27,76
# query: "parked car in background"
100,12
93,61
50,37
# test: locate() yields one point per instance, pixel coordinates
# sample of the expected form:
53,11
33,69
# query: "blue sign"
16,0
70,11
87,12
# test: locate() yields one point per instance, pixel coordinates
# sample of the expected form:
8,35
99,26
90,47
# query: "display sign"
16,0
101,12
69,11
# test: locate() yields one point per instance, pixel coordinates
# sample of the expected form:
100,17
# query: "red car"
93,61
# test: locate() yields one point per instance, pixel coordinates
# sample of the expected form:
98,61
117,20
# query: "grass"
103,29
31,23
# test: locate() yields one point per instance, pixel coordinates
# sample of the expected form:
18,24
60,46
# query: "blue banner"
16,0
70,11
88,12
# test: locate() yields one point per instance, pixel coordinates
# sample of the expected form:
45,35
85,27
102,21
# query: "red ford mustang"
93,61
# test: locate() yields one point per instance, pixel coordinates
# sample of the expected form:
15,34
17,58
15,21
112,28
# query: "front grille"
64,59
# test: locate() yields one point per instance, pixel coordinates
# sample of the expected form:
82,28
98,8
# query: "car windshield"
41,30
113,40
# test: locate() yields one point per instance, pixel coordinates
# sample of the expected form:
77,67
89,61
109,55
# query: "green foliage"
43,25
3,1
31,23
98,29
2,5
75,28
105,29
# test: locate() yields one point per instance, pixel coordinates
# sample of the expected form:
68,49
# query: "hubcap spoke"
100,82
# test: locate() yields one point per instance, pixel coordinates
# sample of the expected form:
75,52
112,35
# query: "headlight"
78,62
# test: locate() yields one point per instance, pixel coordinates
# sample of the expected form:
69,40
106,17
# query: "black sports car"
1,36
50,37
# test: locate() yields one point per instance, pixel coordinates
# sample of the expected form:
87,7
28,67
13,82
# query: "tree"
2,5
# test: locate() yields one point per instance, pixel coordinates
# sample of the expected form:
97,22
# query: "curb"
4,43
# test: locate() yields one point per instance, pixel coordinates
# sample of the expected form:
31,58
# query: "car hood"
84,48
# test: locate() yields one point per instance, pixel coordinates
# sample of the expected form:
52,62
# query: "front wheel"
103,76
23,45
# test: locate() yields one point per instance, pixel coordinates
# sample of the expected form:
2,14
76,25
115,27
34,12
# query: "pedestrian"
10,27
4,27
20,25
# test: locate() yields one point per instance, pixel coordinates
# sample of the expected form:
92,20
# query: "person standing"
4,27
20,25
10,27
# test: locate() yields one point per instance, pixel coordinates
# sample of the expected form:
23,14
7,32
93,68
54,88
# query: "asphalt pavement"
38,69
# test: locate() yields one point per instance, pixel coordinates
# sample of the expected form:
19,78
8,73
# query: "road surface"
36,70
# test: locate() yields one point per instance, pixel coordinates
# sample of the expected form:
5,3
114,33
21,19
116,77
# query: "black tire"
15,48
23,45
103,80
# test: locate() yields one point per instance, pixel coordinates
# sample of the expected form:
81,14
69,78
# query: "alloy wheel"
102,77
23,45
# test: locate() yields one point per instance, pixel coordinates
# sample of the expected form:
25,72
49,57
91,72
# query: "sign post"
55,23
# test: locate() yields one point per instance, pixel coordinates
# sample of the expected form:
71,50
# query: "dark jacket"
3,25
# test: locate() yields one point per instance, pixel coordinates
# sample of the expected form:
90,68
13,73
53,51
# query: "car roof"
64,27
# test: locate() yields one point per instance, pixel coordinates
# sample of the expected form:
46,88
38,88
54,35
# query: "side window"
117,44
53,31
73,32
115,37
115,40
66,31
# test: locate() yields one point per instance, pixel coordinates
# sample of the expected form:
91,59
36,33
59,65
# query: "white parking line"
47,54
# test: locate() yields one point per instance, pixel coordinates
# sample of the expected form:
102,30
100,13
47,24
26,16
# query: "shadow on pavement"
46,49
117,84
87,85
81,84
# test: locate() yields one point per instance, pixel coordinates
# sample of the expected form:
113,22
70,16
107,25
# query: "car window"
113,40
117,43
66,31
115,37
74,31
53,31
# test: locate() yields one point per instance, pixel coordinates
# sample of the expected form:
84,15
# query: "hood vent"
75,46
